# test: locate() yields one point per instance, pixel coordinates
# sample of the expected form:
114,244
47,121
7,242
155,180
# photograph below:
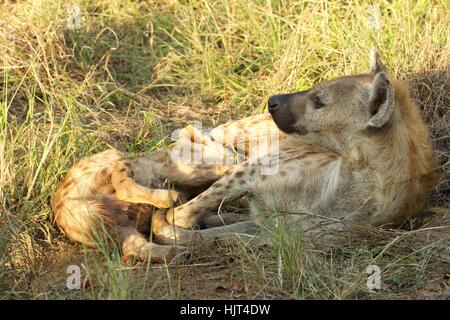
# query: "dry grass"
137,69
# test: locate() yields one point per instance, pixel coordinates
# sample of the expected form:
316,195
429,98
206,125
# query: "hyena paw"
154,252
166,198
179,218
166,233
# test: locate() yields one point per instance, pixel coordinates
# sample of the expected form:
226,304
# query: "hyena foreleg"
223,219
228,188
167,234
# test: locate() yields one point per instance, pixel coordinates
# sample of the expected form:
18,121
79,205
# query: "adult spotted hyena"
354,150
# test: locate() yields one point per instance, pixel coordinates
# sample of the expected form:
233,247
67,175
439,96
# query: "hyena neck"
404,147
386,146
339,144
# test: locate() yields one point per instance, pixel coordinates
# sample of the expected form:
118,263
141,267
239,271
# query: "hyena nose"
275,102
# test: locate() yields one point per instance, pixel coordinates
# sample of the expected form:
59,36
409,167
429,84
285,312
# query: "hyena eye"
317,101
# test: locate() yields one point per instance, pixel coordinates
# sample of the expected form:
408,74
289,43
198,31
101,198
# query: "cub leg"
160,166
220,143
130,191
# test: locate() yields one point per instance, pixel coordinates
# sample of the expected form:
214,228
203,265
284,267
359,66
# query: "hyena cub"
100,192
113,192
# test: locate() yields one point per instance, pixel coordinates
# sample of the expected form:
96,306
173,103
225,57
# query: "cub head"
346,104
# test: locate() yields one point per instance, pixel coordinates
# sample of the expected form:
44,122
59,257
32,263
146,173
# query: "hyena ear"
381,102
376,66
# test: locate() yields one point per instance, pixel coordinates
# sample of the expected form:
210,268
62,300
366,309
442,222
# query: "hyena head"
343,105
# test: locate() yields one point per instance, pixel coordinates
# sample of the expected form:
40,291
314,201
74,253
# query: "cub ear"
381,102
376,65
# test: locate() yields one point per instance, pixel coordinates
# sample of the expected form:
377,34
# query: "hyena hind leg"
223,219
134,244
130,191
